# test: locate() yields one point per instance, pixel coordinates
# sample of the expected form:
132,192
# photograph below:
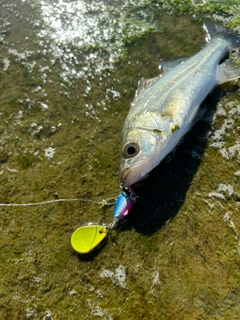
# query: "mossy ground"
180,249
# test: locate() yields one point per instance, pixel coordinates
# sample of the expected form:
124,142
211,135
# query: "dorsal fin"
144,85
166,66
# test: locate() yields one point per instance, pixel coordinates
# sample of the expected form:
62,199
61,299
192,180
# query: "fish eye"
130,150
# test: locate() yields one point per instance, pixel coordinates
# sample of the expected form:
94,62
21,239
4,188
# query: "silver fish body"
164,108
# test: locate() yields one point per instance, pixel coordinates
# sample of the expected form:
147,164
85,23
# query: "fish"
164,108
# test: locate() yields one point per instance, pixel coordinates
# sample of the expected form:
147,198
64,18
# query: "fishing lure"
88,237
124,203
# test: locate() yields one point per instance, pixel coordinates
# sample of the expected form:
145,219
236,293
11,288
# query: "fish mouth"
129,177
124,178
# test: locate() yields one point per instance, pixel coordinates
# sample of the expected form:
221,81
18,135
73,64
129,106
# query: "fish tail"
214,30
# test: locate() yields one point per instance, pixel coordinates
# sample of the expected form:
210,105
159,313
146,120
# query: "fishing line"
104,202
88,237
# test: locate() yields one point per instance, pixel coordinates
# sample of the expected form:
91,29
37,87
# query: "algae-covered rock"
68,74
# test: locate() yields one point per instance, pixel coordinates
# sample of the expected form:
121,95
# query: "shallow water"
68,73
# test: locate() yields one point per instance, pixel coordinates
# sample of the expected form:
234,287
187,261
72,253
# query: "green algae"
26,160
176,127
180,251
199,9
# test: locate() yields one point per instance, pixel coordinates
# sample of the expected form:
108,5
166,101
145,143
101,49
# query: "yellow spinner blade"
86,238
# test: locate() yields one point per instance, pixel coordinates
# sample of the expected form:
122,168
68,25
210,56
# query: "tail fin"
218,31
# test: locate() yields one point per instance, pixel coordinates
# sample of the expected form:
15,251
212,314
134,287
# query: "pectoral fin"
174,105
227,71
177,109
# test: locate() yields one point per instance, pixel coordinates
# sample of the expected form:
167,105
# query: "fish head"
143,141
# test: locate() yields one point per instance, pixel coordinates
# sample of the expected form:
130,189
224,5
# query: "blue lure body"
124,203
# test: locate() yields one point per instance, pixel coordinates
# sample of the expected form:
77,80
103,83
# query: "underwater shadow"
164,192
90,256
